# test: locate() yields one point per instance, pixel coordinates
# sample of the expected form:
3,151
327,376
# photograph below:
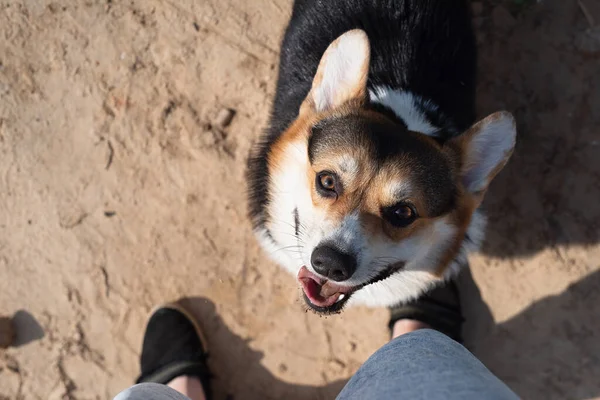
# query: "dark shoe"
439,308
173,346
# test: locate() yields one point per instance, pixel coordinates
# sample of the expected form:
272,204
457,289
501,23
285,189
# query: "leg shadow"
27,328
551,350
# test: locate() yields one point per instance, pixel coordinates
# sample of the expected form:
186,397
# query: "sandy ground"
118,191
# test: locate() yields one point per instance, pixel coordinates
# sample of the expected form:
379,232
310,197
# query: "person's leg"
188,385
424,364
150,391
424,359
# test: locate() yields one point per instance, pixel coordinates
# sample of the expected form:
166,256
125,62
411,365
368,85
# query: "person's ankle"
404,326
189,386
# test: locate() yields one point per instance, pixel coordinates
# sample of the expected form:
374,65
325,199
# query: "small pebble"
224,117
351,347
7,332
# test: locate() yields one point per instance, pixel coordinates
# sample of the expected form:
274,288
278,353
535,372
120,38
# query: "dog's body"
367,182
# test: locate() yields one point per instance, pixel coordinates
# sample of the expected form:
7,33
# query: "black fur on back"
424,46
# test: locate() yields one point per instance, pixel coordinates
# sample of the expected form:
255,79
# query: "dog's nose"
332,263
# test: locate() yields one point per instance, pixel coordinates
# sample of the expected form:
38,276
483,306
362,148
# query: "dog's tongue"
320,292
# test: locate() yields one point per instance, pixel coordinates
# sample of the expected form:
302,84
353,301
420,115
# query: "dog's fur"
380,96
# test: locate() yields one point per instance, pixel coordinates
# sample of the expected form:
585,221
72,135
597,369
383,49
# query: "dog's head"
358,204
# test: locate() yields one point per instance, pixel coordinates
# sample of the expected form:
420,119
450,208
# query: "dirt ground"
119,191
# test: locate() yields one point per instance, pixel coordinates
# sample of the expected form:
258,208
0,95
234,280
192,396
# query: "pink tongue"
320,292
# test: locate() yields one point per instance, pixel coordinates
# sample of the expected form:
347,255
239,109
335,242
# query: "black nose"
332,263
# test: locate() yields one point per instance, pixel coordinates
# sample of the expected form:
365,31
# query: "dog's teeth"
340,298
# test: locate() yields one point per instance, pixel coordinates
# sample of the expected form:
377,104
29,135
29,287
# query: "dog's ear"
485,148
342,73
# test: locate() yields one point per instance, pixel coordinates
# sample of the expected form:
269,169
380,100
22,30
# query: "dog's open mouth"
326,296
321,294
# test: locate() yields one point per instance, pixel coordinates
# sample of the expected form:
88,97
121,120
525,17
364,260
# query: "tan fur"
461,218
297,132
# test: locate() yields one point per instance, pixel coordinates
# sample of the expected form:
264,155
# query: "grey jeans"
420,365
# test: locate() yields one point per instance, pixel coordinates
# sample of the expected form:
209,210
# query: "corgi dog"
367,183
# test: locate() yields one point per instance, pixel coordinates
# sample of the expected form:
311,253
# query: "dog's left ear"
342,73
485,148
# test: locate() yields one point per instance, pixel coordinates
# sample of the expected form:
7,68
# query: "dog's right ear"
342,73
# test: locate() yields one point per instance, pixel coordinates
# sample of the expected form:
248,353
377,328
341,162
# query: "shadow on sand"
550,350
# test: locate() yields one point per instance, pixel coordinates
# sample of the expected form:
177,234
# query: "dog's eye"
326,184
401,215
403,212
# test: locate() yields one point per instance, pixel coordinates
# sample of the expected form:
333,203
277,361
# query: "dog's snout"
332,263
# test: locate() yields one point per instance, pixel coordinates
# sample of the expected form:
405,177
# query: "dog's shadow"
548,193
237,369
545,198
550,350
